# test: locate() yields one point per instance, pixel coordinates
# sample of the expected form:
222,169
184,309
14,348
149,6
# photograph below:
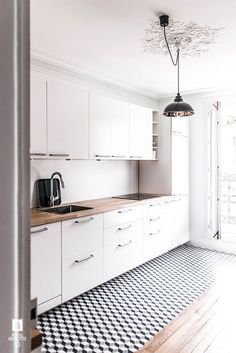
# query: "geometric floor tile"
122,314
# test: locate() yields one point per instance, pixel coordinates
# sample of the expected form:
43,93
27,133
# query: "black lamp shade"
178,108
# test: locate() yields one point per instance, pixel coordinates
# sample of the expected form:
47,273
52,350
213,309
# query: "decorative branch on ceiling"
191,38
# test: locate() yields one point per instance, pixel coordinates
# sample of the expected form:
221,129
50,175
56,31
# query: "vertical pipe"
14,174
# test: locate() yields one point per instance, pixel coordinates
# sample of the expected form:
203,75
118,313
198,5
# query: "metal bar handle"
125,244
173,200
158,232
38,154
102,155
155,219
86,259
136,157
125,228
177,132
126,210
85,220
119,156
59,154
41,230
154,204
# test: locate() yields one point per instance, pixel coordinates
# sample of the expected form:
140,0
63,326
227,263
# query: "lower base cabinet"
71,257
123,248
177,226
81,273
46,265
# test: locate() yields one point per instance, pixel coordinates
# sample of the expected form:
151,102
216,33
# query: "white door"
100,126
120,129
140,132
38,118
67,120
46,262
177,221
180,165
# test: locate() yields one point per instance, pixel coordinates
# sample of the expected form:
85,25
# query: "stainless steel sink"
66,209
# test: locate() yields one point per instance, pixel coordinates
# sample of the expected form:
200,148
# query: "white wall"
86,180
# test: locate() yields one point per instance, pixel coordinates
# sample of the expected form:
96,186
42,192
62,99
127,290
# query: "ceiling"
104,38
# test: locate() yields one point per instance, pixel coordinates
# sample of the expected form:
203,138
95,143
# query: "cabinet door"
38,119
46,262
100,126
180,170
109,127
177,221
180,126
120,129
67,120
140,132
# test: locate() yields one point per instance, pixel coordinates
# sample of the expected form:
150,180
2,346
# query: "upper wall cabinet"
109,127
67,120
140,132
38,118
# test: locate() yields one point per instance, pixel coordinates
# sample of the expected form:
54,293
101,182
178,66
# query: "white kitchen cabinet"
38,116
180,165
46,263
67,120
81,235
155,239
140,132
109,127
124,251
123,215
81,273
177,221
180,126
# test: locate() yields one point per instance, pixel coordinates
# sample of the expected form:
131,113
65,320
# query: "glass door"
228,171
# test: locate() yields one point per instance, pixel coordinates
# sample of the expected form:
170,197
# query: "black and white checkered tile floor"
124,313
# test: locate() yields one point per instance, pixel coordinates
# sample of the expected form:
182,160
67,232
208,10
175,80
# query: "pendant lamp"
178,107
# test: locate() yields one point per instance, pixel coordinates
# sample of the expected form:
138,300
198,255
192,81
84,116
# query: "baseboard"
218,245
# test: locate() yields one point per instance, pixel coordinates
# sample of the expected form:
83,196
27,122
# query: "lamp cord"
174,62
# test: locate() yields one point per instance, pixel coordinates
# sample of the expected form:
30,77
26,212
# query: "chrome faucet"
52,199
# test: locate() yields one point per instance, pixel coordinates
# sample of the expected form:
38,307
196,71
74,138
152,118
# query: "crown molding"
59,69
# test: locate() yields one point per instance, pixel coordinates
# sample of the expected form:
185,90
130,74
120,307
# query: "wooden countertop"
38,217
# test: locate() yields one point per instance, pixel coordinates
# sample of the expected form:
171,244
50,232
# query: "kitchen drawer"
123,233
154,244
154,223
155,208
81,235
121,257
123,216
81,273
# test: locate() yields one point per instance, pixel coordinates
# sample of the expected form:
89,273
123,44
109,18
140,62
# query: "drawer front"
81,273
81,235
155,243
155,208
154,224
123,216
121,257
123,233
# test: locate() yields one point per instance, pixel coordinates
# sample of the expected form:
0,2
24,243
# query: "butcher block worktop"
38,217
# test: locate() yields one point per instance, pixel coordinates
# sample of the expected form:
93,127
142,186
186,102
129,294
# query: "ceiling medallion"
190,38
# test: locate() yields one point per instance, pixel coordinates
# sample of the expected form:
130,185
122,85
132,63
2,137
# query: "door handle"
59,155
125,244
125,228
41,230
83,260
85,220
126,210
158,232
155,219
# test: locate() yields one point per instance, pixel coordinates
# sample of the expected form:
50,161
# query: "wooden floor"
208,325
